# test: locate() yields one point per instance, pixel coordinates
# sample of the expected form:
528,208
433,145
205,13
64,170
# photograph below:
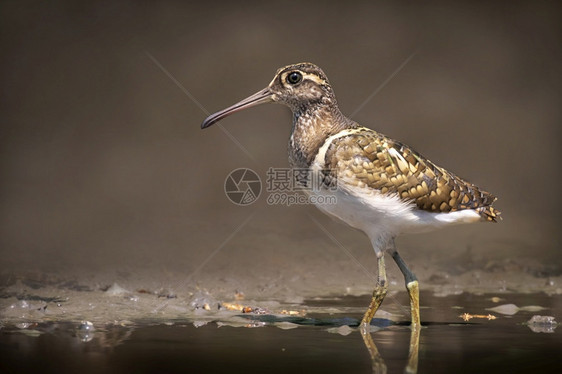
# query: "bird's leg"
412,286
378,294
414,293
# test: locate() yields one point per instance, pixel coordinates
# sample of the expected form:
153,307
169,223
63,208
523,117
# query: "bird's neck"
312,125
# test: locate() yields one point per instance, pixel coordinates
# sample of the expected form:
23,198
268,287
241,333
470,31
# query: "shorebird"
382,187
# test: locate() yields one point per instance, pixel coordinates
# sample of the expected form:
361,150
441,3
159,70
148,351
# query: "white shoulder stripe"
320,159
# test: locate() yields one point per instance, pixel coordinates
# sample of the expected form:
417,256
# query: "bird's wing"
370,160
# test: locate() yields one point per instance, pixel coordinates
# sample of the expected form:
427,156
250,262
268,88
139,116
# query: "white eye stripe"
312,77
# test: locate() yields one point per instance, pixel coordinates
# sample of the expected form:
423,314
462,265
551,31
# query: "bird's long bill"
263,96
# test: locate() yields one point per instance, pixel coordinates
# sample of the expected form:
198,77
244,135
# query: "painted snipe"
383,187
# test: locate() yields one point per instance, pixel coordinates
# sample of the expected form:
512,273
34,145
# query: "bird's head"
298,86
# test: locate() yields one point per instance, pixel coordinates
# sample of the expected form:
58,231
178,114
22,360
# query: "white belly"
377,214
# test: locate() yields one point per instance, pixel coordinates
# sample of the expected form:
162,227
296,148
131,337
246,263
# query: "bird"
382,186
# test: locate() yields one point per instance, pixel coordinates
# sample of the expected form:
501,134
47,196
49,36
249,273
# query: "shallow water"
324,340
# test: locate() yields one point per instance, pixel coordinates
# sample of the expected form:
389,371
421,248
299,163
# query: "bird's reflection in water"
378,364
379,367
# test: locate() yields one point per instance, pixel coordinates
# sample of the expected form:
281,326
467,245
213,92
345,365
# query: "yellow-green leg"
378,294
413,289
414,293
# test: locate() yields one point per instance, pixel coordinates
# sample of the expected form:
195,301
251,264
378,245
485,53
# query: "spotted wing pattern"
371,160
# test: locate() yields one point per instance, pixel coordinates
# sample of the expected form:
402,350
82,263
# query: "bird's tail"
489,213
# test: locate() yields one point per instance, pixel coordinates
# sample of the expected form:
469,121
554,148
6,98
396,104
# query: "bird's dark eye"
294,77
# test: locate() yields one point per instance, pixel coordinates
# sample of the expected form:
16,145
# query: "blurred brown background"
104,167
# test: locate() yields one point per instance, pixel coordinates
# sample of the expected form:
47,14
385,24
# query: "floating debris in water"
286,325
255,310
511,309
258,310
255,324
248,309
468,316
294,312
199,323
29,329
202,300
85,331
342,330
25,325
31,333
86,326
232,306
545,324
506,309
